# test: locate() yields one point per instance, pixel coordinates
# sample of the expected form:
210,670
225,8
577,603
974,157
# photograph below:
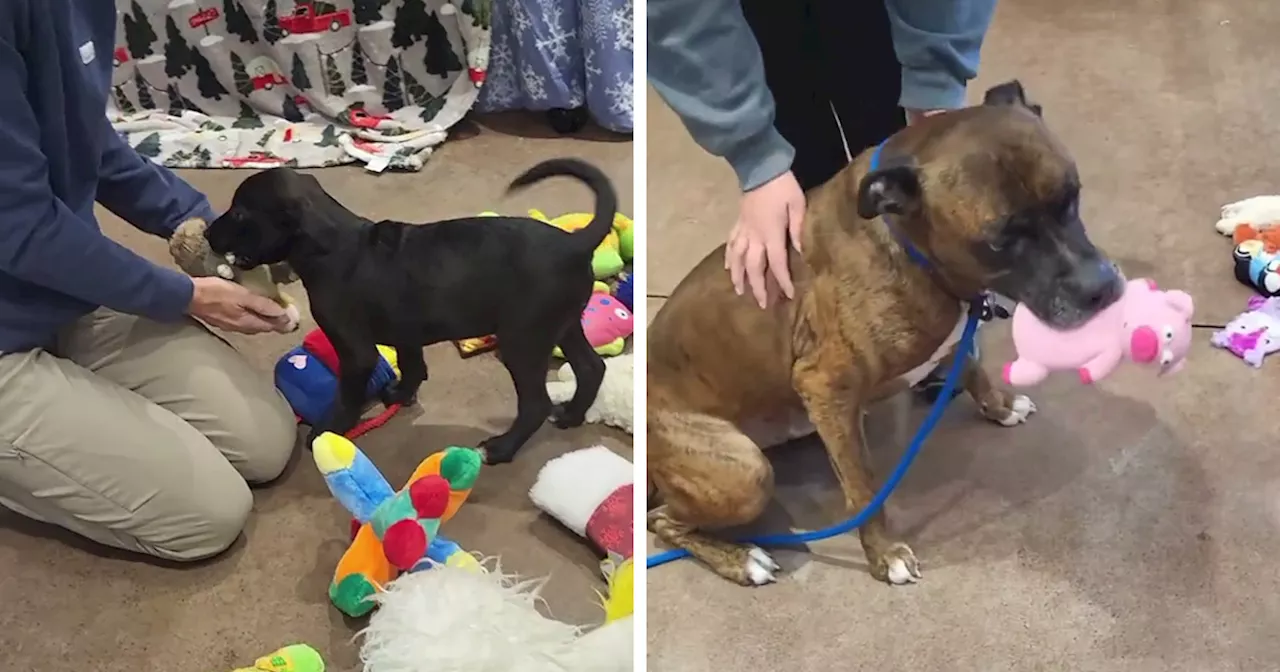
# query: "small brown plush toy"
190,250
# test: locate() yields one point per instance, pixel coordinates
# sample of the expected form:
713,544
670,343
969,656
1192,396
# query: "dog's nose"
1099,285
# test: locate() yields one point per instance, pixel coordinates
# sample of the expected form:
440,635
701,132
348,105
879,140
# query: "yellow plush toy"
607,261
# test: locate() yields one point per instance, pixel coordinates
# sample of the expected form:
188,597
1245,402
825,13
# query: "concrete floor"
71,606
1129,527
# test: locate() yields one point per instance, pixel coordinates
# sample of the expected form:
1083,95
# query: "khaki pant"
140,435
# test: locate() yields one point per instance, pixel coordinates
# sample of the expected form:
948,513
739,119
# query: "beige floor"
71,607
1126,528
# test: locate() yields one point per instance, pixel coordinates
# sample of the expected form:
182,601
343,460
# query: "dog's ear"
1010,93
891,190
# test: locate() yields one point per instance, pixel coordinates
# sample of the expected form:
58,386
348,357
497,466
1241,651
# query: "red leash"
372,423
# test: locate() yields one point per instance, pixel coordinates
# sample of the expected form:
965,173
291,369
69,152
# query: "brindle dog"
988,196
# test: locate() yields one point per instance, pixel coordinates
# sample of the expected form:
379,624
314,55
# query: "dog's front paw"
498,450
760,567
1020,408
897,566
564,417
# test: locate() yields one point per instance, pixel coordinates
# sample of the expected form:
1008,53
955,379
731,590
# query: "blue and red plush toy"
307,377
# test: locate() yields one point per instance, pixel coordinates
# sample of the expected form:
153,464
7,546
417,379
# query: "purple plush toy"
1253,334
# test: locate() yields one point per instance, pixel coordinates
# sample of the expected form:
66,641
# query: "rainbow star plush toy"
398,531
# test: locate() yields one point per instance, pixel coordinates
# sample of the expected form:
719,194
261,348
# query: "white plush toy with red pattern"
590,491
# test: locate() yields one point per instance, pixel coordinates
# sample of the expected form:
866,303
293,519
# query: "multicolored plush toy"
1256,266
606,322
306,377
1253,334
1147,325
292,658
590,492
608,260
398,531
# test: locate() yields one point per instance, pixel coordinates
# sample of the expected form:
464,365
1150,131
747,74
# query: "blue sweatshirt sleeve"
45,243
938,43
146,195
705,63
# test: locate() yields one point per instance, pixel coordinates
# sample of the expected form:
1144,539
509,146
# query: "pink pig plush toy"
1147,325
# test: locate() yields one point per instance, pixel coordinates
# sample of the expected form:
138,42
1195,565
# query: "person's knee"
253,426
261,443
206,524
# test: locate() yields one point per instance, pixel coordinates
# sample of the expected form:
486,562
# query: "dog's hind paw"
1020,408
760,567
563,418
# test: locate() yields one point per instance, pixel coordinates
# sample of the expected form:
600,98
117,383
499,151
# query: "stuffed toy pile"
607,319
307,377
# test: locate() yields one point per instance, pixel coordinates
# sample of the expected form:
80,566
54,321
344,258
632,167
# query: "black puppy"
409,286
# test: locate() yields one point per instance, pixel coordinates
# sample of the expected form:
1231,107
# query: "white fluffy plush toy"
590,492
1260,212
455,620
614,402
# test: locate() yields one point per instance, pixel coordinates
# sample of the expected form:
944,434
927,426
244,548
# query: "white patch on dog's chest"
914,376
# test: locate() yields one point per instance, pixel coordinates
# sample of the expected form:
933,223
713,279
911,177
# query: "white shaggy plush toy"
614,402
1260,212
449,619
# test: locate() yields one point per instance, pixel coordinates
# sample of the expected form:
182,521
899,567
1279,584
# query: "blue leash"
977,310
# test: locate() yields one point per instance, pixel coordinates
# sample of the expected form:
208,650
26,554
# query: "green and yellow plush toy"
609,259
292,658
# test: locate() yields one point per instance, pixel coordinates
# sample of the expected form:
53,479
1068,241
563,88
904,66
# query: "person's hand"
914,116
758,242
229,306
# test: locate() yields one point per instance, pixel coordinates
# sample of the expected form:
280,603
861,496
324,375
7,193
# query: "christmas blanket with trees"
264,83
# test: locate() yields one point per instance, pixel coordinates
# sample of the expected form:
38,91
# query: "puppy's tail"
590,236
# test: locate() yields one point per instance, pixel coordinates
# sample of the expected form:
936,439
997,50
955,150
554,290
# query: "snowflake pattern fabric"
556,54
307,83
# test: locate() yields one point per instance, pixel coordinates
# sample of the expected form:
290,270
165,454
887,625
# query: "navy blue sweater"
58,155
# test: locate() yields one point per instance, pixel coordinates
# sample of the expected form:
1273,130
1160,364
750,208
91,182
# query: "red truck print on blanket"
362,119
267,81
254,159
120,55
200,18
315,17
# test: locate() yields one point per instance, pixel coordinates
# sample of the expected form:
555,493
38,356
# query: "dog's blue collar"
984,305
912,251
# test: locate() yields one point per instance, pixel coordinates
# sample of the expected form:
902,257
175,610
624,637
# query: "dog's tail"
589,237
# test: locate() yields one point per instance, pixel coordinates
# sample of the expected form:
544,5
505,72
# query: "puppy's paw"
897,566
401,393
497,450
564,417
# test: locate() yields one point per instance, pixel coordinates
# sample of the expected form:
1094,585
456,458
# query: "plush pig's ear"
351,477
1181,302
